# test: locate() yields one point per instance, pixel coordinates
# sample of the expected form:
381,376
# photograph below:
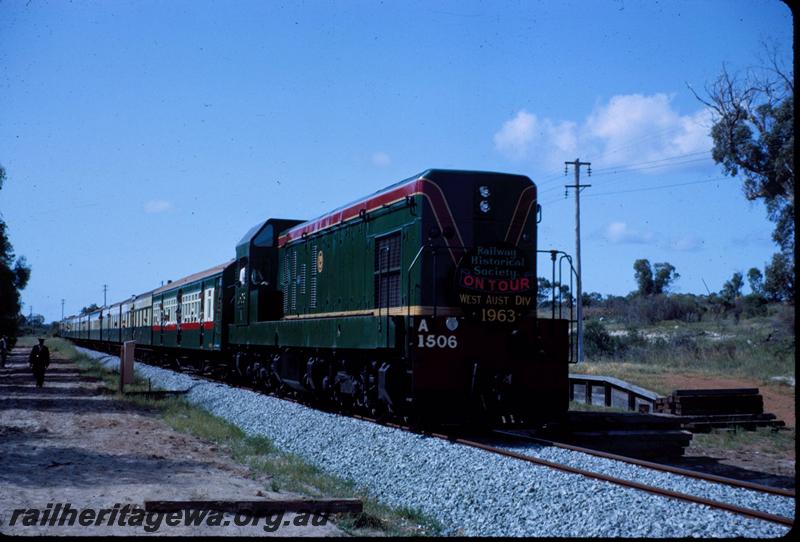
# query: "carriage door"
217,310
178,315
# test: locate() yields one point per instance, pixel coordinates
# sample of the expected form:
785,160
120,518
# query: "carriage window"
387,270
209,305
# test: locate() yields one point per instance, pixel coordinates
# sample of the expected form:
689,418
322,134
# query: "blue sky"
142,139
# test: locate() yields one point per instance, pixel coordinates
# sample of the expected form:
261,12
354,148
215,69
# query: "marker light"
484,191
485,206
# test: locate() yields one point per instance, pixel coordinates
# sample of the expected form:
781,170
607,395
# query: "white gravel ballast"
469,491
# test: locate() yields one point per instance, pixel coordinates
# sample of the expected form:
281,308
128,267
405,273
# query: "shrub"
753,305
597,341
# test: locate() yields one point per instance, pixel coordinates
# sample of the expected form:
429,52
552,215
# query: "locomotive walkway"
70,443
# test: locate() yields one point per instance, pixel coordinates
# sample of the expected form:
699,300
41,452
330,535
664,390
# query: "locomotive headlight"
484,191
485,207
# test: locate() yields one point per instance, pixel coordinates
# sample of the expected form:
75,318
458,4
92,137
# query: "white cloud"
381,159
516,135
620,233
630,128
687,243
157,206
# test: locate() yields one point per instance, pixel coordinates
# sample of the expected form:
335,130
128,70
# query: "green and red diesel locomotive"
417,301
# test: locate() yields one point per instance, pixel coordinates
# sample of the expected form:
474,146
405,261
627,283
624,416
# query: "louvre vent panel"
293,285
387,271
313,295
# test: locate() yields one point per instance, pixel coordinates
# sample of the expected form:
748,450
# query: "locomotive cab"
257,298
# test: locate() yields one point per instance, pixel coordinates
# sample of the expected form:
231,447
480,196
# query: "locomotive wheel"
264,378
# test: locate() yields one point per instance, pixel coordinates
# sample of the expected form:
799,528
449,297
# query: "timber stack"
704,409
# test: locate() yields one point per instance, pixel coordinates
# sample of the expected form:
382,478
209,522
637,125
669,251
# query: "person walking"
39,361
3,351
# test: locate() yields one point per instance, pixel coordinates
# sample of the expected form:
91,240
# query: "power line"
629,176
644,189
626,169
655,161
639,140
614,170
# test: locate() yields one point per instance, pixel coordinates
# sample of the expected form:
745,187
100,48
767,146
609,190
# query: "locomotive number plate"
437,341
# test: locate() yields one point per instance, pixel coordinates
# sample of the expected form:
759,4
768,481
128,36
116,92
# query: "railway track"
748,512
652,465
677,495
686,497
482,444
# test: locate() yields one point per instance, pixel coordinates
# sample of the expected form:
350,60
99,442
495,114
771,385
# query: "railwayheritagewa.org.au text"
132,515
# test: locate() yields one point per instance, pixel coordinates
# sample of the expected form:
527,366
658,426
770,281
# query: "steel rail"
757,514
747,512
656,466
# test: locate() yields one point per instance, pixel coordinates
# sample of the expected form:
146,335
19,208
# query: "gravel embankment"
470,491
756,500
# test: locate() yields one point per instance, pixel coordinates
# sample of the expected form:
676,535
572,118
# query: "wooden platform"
630,434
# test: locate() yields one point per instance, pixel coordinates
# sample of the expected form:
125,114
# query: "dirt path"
69,443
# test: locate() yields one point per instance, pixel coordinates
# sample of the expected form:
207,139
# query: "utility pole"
105,289
579,293
62,309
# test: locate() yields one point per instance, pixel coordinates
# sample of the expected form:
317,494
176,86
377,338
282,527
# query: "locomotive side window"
387,270
243,271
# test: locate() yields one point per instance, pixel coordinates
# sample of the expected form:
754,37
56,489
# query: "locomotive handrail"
573,357
564,256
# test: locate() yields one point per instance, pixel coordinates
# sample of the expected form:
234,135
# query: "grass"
765,442
287,472
757,349
583,407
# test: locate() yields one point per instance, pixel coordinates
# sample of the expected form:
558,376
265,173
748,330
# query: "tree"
592,299
14,276
756,280
753,134
91,308
544,290
779,278
653,280
732,289
644,277
665,275
562,290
